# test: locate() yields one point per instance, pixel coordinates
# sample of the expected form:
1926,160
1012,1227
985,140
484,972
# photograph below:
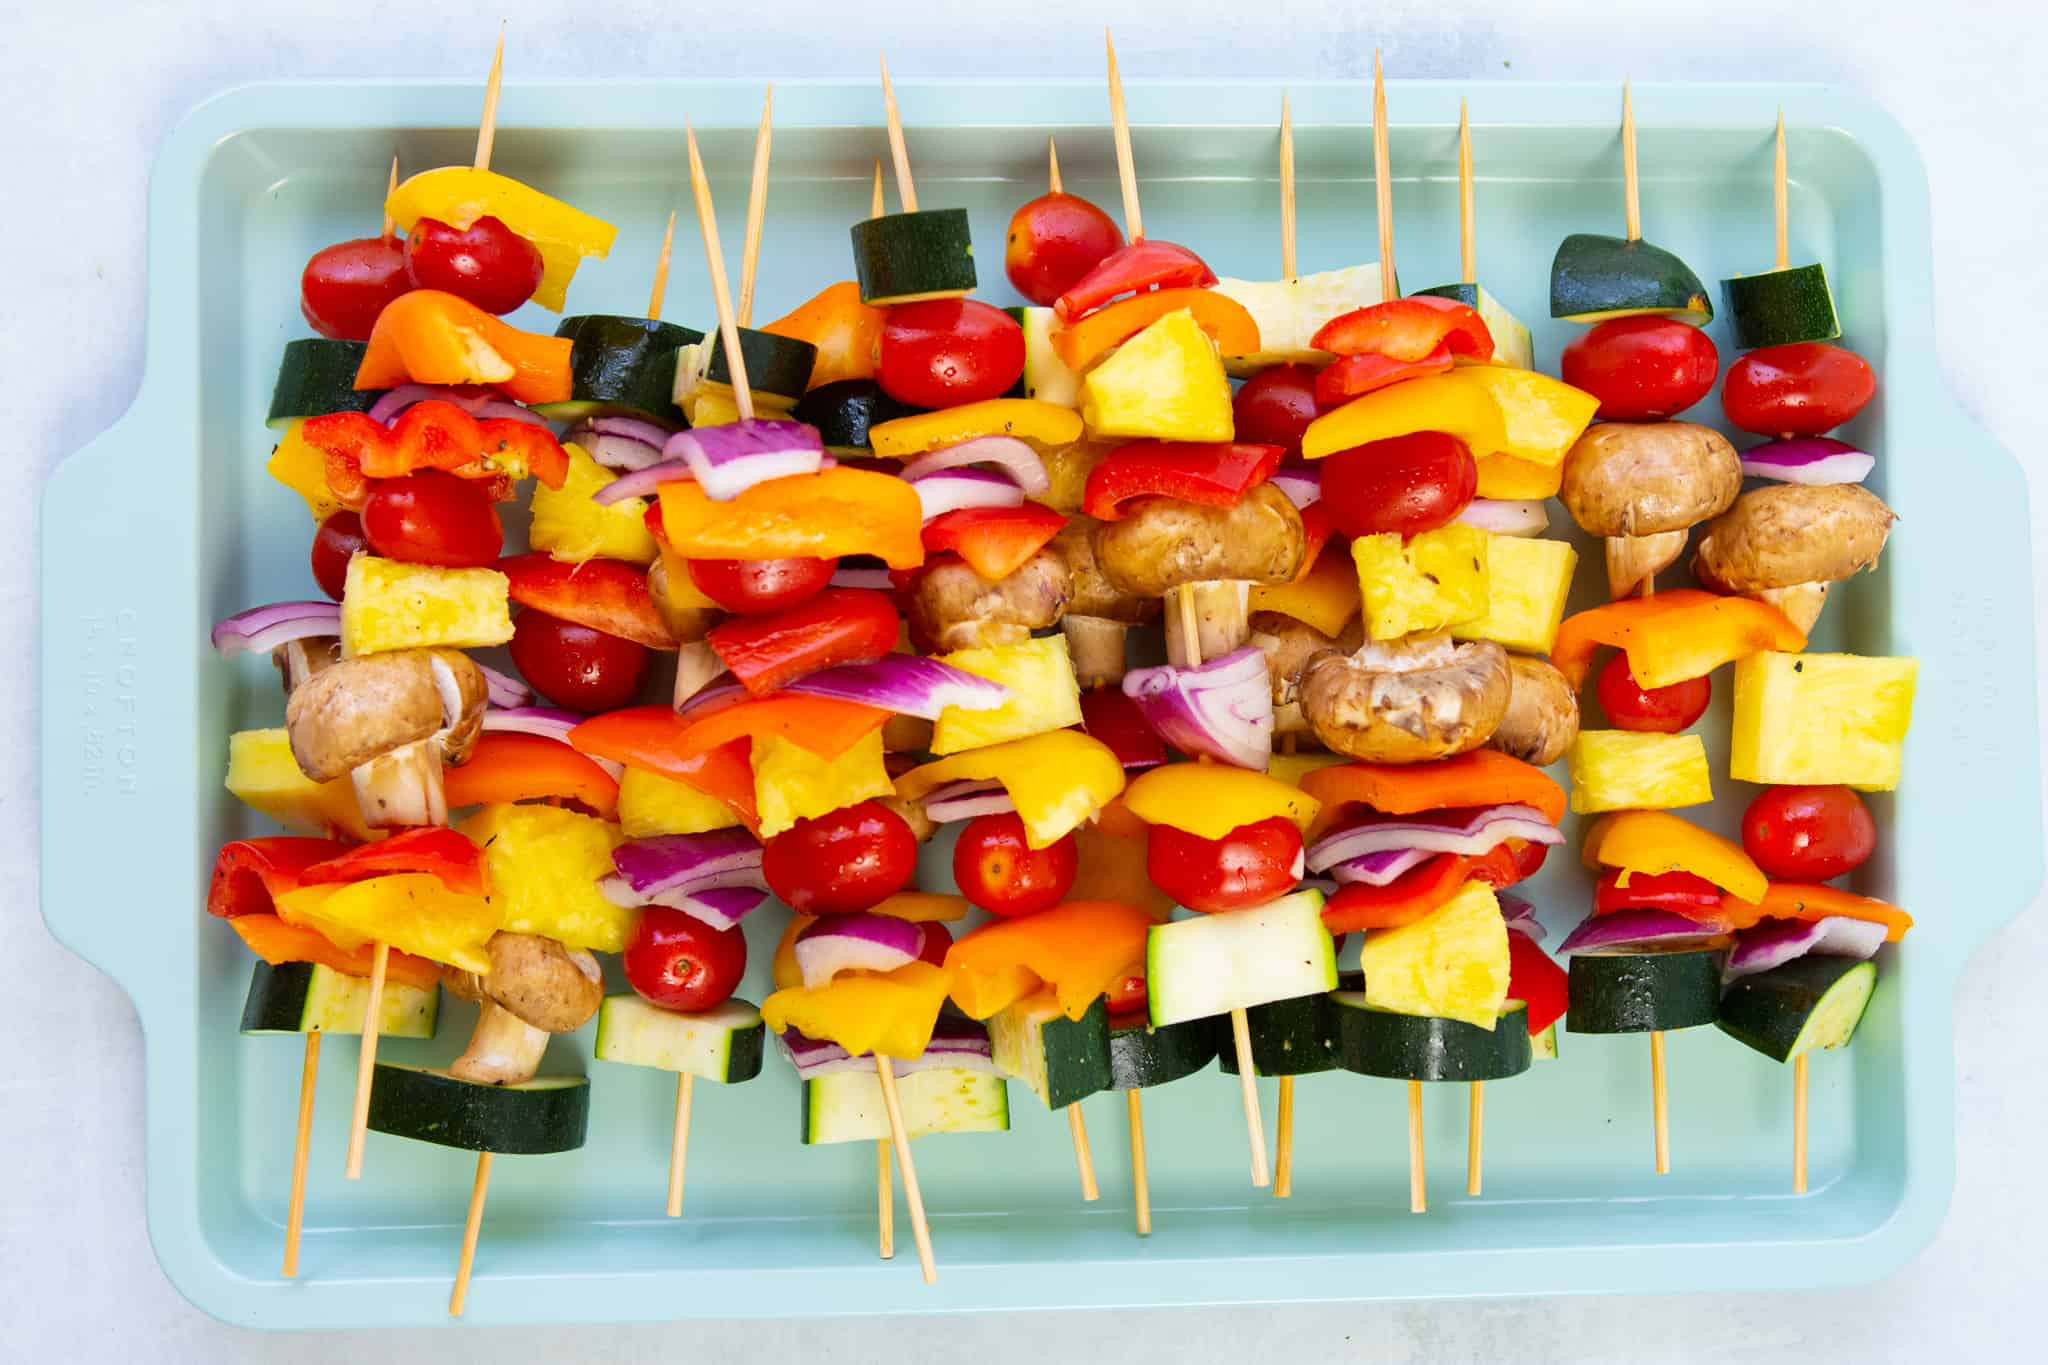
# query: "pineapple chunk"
1043,695
1540,417
1527,582
262,773
1166,382
651,804
1821,718
303,469
1437,579
791,783
1450,964
1627,770
1512,347
573,529
544,864
388,605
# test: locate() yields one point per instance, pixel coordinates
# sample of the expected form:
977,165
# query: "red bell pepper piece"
1417,891
1133,269
1407,329
277,942
441,853
604,594
1535,979
1316,530
838,626
995,541
432,435
1356,375
250,874
651,737
1218,474
1682,893
1111,716
507,766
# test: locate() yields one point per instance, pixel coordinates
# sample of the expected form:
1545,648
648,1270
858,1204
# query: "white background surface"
90,89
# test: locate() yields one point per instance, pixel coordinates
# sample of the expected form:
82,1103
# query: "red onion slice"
1506,516
721,907
723,688
478,400
1378,869
1484,828
1303,484
1634,929
262,629
1223,709
1008,453
645,869
908,684
647,433
1808,459
858,942
957,1044
967,799
1520,916
948,490
1775,942
729,459
505,691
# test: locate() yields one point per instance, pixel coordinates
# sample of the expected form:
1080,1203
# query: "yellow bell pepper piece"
1056,780
650,804
574,529
1505,476
1209,800
411,911
1540,417
924,907
1651,841
300,467
545,864
1452,402
890,1013
459,195
1326,597
1046,424
1291,768
791,783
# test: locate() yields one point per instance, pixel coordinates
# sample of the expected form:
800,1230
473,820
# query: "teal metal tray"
136,714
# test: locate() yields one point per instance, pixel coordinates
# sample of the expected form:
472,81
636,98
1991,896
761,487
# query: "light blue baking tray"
168,521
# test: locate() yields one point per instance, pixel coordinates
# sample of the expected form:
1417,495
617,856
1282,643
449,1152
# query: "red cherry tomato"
345,286
1803,389
1275,406
1642,368
944,352
679,962
932,947
849,860
334,544
1054,240
1408,484
756,587
486,263
1808,834
1659,710
574,666
997,870
433,518
1127,997
1249,866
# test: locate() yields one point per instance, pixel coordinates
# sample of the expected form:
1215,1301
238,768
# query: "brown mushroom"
1785,534
298,660
1647,481
1289,644
535,987
1409,700
1203,560
389,721
1099,614
953,607
1542,718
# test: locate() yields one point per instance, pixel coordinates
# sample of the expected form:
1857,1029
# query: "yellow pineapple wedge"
544,864
1436,579
572,528
388,605
1628,770
263,774
1452,963
1166,382
651,804
1821,718
1527,582
791,783
1044,694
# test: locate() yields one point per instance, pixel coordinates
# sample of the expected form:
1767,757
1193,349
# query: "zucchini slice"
1419,1047
845,410
305,997
1141,1056
1595,277
776,365
1289,1037
908,257
721,1044
545,1114
846,1106
1641,991
1543,1046
316,376
1213,964
1046,376
1810,1002
1061,1059
620,365
1779,307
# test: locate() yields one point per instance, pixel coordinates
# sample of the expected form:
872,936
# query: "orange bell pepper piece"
278,942
845,331
427,336
1653,841
651,737
1228,323
1482,777
507,766
442,853
1809,901
830,513
1674,636
1080,949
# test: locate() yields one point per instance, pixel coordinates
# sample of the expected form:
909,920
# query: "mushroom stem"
1096,645
402,788
1634,560
299,660
504,1049
1220,609
1801,603
696,664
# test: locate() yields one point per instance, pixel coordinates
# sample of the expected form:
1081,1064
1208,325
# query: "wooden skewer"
1475,1139
1418,1187
919,1229
875,205
1660,1113
906,188
390,188
470,1227
366,1060
885,1207
1120,126
1286,195
295,1217
1799,1123
1283,1159
1382,182
658,295
1052,166
1468,253
1141,1183
487,124
721,291
1781,200
679,1143
1077,1127
1631,199
757,211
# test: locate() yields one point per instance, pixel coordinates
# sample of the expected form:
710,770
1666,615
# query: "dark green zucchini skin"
316,376
1077,1056
845,410
621,365
548,1114
1414,1047
1780,307
775,364
1295,1037
1643,992
1467,294
1595,273
902,255
276,1002
1769,1011
1141,1056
